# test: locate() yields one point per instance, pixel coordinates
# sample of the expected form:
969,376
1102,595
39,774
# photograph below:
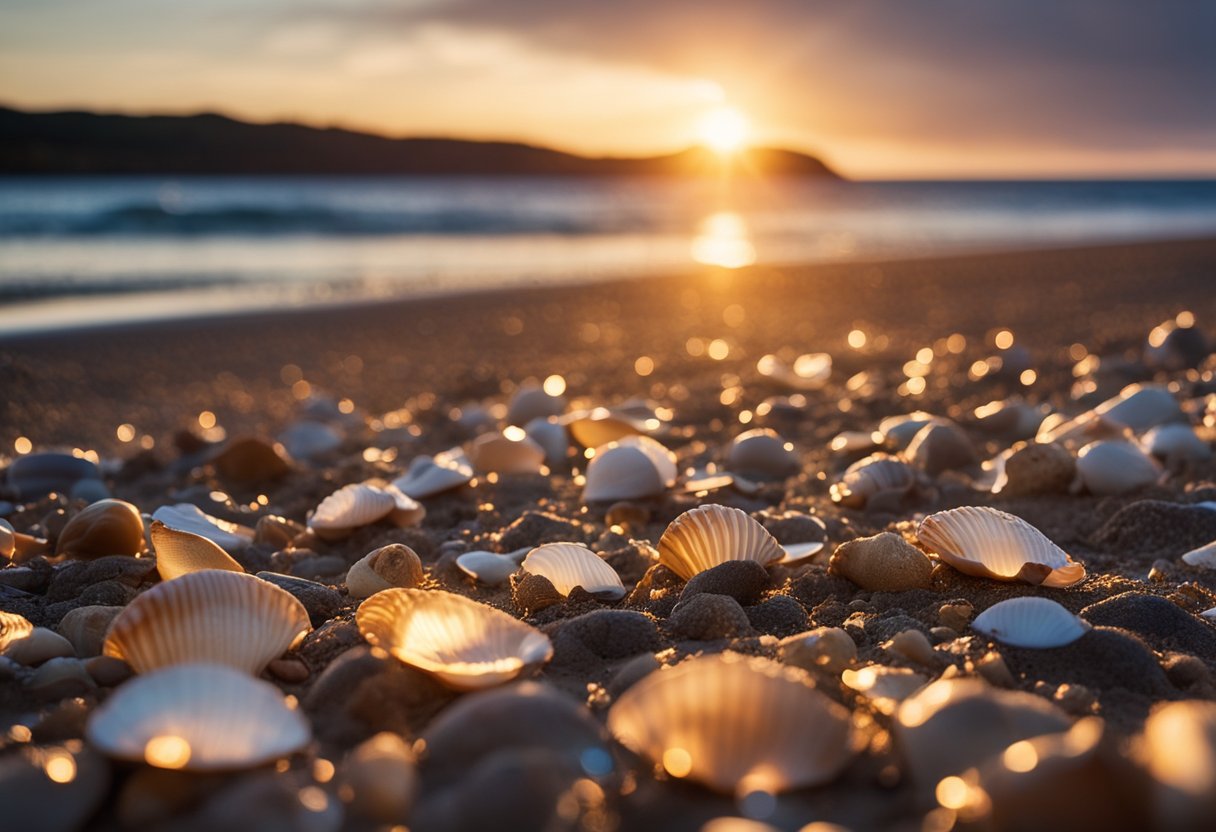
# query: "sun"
724,130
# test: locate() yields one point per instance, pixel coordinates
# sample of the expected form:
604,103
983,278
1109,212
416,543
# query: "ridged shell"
761,452
352,507
1116,467
214,616
180,553
872,475
568,565
389,566
497,453
465,644
227,720
987,543
185,517
736,725
632,468
1176,442
704,537
428,476
1030,622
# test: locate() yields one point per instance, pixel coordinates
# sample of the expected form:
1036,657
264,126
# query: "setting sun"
724,130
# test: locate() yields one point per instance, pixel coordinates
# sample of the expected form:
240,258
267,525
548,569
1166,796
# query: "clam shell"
1030,622
629,469
107,527
872,475
551,436
488,568
761,452
428,476
214,616
500,454
308,439
594,428
1176,442
185,517
198,717
1116,467
180,553
704,537
987,543
736,725
465,644
568,565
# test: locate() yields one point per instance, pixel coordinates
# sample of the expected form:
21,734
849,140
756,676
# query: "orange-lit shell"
884,687
198,717
8,539
987,543
872,475
736,725
1030,622
1116,467
466,645
180,553
500,453
1179,751
428,476
598,427
629,469
568,565
708,535
762,453
186,517
107,527
213,616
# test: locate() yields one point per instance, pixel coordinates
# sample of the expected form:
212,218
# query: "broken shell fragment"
568,565
629,469
1203,556
762,454
466,645
510,452
428,476
198,717
214,616
186,517
395,565
873,475
735,725
1030,622
180,553
488,568
1116,467
703,537
987,543
107,527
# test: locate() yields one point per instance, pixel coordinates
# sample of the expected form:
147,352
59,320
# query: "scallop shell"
185,517
629,469
502,454
1116,467
180,553
736,725
198,717
357,505
428,476
465,644
594,428
1030,622
987,543
762,452
568,565
214,616
1176,442
873,475
704,537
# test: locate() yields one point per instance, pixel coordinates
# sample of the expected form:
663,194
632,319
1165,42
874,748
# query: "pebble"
319,566
60,677
1038,468
709,617
108,671
778,616
743,580
956,615
321,602
941,446
291,671
35,475
883,563
628,516
39,646
829,649
75,577
914,646
1077,700
992,667
531,593
632,672
85,628
608,634
1163,624
378,780
249,460
277,532
1154,526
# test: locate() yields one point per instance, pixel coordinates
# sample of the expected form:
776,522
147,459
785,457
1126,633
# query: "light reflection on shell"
704,537
872,475
180,553
631,468
190,518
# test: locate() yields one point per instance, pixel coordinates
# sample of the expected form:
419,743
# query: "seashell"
465,644
1138,407
1177,749
428,476
598,427
35,475
214,616
510,452
882,563
249,459
532,402
568,565
309,439
107,527
26,644
360,504
829,649
491,568
900,430
798,552
941,446
8,539
1203,557
179,553
394,565
1015,419
875,474
987,543
809,372
1030,622
1115,466
704,537
762,454
551,436
185,517
629,469
884,687
198,717
277,532
1176,443
382,779
736,725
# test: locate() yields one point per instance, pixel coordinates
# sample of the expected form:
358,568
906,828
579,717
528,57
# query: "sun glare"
724,130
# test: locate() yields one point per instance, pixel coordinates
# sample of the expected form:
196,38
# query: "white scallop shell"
594,428
873,475
708,535
223,617
1114,466
500,454
360,504
1176,441
179,553
428,476
227,720
736,725
551,436
465,644
761,451
629,469
488,568
185,517
987,543
1030,622
1204,556
568,565
307,439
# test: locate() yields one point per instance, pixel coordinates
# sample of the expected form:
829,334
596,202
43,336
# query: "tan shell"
882,563
884,687
26,644
1116,467
500,454
1030,622
465,644
180,553
394,565
598,427
704,537
198,717
360,504
736,725
428,476
568,565
629,469
213,616
872,475
186,517
107,527
763,453
987,543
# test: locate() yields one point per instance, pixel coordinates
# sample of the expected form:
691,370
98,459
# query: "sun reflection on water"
724,240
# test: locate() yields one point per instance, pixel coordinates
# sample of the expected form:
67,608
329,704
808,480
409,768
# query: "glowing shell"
875,474
180,553
185,517
706,536
629,469
428,476
568,565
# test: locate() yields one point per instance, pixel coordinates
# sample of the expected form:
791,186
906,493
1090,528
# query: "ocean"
78,251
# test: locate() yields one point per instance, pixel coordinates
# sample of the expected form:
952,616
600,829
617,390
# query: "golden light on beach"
60,767
167,751
644,366
724,130
952,792
125,432
206,420
857,339
724,240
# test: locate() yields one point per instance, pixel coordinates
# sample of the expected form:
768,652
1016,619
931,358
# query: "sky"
878,88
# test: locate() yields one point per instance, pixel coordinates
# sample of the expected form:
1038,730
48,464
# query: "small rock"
108,671
291,671
73,578
941,446
61,677
943,634
36,475
883,563
532,593
534,528
632,672
277,532
1161,623
1038,468
1154,526
1077,700
993,668
32,801
319,566
609,634
709,617
88,491
778,616
1186,671
628,516
248,460
914,646
321,602
107,594
956,615
743,580
380,778
41,645
85,628
829,649
33,577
